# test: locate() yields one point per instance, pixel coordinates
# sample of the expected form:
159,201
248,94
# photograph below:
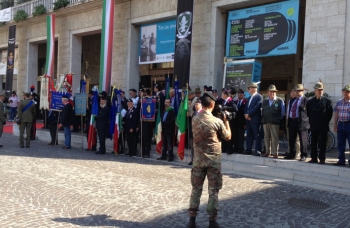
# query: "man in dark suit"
252,114
160,96
131,122
298,123
168,131
320,112
26,114
66,121
124,101
52,119
102,124
238,131
2,115
229,106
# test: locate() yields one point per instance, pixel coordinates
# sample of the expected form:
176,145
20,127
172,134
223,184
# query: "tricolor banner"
50,45
92,130
181,122
106,45
158,132
117,130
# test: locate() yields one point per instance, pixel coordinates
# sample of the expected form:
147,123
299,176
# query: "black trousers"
102,133
168,146
132,142
293,130
318,140
53,132
121,142
146,138
238,137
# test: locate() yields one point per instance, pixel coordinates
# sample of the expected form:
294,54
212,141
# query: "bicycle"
329,145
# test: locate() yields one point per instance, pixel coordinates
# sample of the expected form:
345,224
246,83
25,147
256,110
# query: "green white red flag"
106,45
50,45
181,122
117,130
158,132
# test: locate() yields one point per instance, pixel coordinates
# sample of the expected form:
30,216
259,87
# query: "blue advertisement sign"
80,104
267,30
240,74
157,42
56,100
148,108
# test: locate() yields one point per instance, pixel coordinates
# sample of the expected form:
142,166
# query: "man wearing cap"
197,92
297,141
14,101
208,131
319,110
26,114
272,113
131,123
124,101
252,114
298,123
66,121
197,107
102,124
2,115
168,131
238,131
342,124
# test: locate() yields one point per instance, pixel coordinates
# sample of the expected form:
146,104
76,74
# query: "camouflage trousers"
214,184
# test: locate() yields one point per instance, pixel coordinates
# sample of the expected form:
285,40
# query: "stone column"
75,63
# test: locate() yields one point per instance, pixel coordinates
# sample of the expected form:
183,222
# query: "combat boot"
213,224
192,223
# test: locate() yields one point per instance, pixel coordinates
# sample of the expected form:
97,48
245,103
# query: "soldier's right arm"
224,130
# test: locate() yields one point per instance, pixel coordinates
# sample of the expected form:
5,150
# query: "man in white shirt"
14,101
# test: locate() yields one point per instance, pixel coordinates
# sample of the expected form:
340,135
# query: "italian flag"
92,133
106,45
158,133
117,130
50,52
181,122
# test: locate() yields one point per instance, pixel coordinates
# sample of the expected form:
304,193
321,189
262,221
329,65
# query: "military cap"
233,90
299,87
205,94
272,88
133,90
253,85
346,88
208,88
103,94
26,93
318,85
240,91
130,100
103,98
197,90
65,96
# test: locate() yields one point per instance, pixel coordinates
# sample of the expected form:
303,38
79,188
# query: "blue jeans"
343,134
13,112
67,136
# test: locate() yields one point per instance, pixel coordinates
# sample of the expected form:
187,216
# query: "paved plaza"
45,186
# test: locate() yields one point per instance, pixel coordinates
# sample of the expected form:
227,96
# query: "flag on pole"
50,50
181,122
94,112
158,132
106,45
113,112
117,129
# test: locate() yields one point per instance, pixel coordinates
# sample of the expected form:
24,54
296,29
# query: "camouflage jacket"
207,134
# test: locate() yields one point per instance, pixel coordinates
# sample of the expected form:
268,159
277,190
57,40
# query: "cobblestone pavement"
46,186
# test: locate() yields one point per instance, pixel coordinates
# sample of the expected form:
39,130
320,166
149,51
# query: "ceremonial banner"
181,122
10,59
80,104
56,100
158,132
183,41
266,30
50,45
106,45
148,108
44,93
5,15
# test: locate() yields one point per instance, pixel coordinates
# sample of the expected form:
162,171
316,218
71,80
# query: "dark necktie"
294,108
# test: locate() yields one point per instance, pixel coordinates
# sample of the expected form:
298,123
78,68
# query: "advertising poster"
157,42
240,74
267,30
148,108
80,104
56,100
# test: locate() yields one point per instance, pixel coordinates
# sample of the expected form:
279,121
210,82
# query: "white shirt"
14,102
251,98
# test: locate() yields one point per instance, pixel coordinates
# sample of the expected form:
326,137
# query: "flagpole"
141,126
59,113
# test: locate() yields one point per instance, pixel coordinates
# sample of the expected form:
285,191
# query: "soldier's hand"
131,130
224,114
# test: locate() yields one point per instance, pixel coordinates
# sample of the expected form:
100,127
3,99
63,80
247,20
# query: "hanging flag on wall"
10,59
182,59
106,45
50,45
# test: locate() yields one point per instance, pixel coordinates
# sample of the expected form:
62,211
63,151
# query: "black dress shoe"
100,152
161,159
170,159
247,152
146,156
1,145
302,158
312,161
213,224
21,146
289,157
27,146
51,144
190,163
191,223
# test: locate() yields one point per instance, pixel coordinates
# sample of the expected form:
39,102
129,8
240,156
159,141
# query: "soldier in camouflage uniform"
207,159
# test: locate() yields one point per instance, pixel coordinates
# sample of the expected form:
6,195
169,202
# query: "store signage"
267,30
157,42
241,73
